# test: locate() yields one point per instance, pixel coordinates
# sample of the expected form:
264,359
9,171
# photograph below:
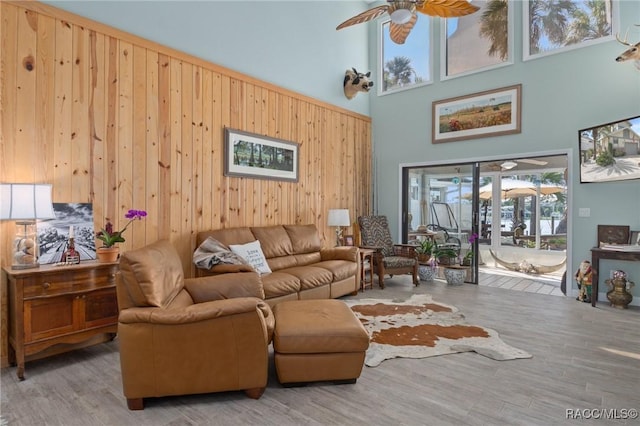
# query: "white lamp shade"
25,201
339,217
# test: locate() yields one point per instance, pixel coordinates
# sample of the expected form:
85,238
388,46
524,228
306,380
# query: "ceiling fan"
403,14
510,164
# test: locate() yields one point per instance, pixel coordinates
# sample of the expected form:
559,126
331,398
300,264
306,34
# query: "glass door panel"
439,199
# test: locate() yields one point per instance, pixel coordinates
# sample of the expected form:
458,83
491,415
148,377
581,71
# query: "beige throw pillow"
252,253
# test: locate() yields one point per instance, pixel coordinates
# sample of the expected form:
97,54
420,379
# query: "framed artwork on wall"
610,152
479,115
259,157
53,235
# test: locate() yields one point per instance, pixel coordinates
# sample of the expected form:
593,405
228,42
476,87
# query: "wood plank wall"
114,120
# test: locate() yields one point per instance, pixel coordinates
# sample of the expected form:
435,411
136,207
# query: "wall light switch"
584,212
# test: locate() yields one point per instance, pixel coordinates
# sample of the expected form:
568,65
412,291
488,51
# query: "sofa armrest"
340,253
224,286
191,314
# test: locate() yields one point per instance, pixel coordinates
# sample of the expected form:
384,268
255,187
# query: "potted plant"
109,251
424,250
445,255
468,257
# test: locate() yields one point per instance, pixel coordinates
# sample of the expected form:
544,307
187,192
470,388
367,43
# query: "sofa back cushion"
152,275
274,240
304,238
227,236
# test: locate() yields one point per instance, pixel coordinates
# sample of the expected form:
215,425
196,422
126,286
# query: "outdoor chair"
389,258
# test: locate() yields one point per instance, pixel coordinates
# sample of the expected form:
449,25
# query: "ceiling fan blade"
446,8
365,16
399,32
532,161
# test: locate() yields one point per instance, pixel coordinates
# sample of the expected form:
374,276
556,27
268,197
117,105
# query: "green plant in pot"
425,249
445,255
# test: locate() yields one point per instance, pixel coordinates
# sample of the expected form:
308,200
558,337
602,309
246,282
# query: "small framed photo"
635,238
348,240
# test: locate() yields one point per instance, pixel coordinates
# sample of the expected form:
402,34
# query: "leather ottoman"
318,340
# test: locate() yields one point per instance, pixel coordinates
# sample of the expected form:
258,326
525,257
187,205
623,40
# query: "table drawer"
63,282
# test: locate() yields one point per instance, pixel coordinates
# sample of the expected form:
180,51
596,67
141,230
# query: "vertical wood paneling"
139,141
152,147
26,97
80,140
45,64
124,150
99,56
124,123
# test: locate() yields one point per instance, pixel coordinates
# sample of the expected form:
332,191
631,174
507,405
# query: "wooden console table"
54,305
596,255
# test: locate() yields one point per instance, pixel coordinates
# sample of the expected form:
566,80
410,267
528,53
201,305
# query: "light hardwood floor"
574,366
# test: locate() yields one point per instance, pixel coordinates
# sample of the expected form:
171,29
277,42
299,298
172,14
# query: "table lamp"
25,203
338,218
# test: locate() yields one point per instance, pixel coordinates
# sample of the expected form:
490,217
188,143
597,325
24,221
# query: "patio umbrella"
512,188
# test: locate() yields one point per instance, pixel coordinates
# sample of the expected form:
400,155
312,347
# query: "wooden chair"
389,258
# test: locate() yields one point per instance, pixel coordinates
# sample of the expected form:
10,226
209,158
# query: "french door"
445,199
515,208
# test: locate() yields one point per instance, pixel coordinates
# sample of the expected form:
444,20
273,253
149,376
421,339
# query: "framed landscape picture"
479,115
610,152
260,157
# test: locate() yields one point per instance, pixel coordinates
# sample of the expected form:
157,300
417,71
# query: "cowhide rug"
419,327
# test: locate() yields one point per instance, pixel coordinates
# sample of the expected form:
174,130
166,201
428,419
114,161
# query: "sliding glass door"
440,200
506,213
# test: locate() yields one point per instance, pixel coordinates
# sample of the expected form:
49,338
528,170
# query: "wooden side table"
51,304
366,268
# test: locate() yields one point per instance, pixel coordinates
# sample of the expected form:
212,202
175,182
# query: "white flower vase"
455,276
426,273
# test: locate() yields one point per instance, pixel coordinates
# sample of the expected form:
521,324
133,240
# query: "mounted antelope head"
632,53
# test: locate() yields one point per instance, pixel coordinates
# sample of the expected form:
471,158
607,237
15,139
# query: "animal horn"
544,269
625,42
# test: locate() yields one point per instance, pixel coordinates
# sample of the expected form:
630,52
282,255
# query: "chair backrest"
374,231
151,275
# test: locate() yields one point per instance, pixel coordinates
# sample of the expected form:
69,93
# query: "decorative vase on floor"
618,295
426,273
107,254
455,276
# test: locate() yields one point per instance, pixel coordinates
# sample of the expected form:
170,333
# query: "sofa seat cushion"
392,262
279,284
341,269
310,276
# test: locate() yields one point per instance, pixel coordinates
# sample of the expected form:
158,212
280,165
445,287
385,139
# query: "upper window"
405,65
477,42
553,26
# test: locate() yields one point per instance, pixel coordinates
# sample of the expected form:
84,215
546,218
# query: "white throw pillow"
252,253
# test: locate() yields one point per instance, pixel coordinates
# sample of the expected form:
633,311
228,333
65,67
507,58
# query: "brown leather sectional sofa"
301,267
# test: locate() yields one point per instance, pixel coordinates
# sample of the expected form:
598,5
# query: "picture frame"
348,240
495,112
260,157
53,234
613,234
610,152
635,238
